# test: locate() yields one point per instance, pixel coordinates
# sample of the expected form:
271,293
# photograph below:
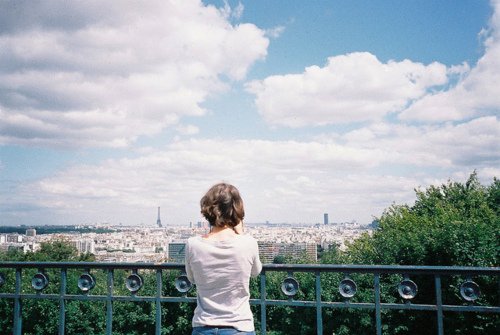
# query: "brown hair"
222,206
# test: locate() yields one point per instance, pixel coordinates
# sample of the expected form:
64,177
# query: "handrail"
389,269
347,287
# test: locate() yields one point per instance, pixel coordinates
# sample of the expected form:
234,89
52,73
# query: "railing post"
439,304
319,316
263,325
18,317
109,303
62,302
158,302
378,317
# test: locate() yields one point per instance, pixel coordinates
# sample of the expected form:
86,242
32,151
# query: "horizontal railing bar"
482,309
384,269
449,308
379,269
357,305
92,265
302,303
296,303
70,297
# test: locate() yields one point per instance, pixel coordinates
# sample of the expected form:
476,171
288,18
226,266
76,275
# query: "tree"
454,224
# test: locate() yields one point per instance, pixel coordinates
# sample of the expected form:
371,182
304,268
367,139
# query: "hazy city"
165,243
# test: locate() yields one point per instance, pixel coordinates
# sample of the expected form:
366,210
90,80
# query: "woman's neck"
219,232
217,229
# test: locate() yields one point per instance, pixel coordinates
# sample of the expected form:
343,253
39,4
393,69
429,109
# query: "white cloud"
234,13
275,32
188,129
342,177
476,94
474,144
358,87
350,88
175,178
119,70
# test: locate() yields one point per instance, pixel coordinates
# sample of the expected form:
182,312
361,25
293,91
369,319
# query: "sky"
110,109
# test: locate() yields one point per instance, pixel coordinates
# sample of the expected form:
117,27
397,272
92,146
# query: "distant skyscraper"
158,221
325,218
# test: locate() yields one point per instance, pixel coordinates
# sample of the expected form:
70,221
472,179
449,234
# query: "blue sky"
110,109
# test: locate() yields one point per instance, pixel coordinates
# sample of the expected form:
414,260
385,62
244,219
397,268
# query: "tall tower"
158,221
325,218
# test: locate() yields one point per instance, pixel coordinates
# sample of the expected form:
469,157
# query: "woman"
220,263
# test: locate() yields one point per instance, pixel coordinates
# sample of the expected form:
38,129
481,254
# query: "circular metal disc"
290,286
86,282
469,290
347,288
40,281
134,282
182,284
407,289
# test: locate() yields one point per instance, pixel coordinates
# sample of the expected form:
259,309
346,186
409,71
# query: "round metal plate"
182,284
134,282
469,290
40,281
347,288
407,289
86,282
290,286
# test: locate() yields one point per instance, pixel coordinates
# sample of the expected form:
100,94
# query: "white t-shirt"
221,270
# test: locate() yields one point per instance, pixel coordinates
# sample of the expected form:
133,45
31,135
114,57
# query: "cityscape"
164,243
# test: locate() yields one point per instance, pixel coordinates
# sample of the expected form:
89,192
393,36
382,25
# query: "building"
14,238
269,250
31,232
176,252
325,218
84,246
158,220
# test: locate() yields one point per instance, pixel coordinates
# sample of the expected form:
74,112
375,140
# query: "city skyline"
131,244
109,110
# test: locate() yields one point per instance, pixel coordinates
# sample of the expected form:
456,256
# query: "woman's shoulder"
247,238
242,239
194,239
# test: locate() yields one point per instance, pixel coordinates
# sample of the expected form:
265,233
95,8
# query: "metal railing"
344,276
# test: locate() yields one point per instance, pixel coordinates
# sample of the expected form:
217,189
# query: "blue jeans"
209,330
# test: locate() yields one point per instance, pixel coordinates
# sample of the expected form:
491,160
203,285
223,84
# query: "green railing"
17,273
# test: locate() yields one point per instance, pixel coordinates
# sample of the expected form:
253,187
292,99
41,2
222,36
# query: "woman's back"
221,269
221,263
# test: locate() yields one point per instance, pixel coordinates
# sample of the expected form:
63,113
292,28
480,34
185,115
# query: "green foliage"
84,317
452,224
54,251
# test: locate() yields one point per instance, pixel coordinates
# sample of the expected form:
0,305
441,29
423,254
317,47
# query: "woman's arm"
257,265
189,271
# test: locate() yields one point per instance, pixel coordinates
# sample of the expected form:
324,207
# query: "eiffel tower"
158,221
